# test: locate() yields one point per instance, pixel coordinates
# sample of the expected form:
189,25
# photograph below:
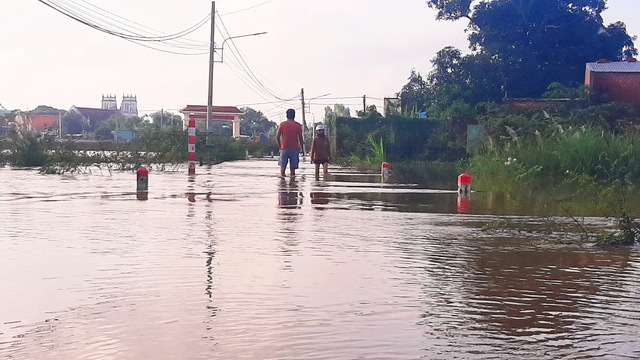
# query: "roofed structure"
39,123
92,115
614,81
218,113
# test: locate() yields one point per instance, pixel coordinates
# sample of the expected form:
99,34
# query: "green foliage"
583,151
27,149
166,118
520,47
556,90
377,150
403,138
168,142
254,122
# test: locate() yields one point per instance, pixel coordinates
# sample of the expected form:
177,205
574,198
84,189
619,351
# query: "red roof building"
39,123
218,113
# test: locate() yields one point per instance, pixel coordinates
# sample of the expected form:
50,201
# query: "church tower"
129,106
109,102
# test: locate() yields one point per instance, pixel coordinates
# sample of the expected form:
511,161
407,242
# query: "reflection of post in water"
289,195
191,195
464,203
210,252
319,198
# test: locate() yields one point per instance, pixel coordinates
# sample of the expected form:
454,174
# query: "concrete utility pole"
60,125
211,52
304,123
364,105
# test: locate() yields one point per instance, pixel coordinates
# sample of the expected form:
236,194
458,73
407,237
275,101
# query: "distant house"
614,81
218,113
109,108
93,116
38,123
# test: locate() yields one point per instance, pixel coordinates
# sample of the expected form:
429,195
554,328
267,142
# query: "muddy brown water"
239,264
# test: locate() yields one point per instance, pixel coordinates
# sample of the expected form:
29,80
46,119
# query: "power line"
112,24
249,8
246,68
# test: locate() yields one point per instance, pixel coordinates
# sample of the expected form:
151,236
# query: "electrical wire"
243,63
249,8
56,5
104,21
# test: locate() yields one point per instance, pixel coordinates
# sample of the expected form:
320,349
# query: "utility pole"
364,105
211,52
161,117
304,122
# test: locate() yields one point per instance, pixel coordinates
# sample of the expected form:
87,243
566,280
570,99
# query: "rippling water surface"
239,264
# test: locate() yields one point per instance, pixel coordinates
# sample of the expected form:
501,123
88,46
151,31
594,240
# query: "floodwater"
239,264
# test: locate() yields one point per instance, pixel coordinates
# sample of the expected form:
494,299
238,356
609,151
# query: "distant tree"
46,110
413,95
371,112
73,123
530,44
104,133
165,118
559,91
254,122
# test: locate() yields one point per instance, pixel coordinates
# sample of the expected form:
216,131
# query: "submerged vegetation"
156,145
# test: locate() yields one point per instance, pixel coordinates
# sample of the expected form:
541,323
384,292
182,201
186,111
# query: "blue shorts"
289,157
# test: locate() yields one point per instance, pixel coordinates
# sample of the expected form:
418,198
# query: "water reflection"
290,200
464,203
258,272
319,198
289,195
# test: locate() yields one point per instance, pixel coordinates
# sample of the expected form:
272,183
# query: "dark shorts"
289,157
320,162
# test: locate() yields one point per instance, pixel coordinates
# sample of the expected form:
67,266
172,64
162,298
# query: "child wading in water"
320,152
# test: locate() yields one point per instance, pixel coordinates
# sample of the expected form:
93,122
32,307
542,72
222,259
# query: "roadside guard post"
142,182
384,171
191,148
464,184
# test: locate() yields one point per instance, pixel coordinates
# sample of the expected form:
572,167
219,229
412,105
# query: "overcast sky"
345,48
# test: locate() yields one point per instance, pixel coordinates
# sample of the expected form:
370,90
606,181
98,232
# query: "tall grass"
585,163
585,152
377,149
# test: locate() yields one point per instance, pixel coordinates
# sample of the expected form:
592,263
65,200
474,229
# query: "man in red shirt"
290,142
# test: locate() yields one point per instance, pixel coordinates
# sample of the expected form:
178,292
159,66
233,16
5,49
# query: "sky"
336,50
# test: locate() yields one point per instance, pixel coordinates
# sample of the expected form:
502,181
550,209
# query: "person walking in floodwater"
321,152
290,142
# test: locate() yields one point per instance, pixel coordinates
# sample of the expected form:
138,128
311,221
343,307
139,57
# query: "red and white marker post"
191,155
464,184
384,171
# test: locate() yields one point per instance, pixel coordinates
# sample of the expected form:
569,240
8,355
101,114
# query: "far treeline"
517,49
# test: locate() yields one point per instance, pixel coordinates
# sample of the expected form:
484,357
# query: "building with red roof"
39,123
218,113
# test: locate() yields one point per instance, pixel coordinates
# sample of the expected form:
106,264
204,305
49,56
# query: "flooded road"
239,264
